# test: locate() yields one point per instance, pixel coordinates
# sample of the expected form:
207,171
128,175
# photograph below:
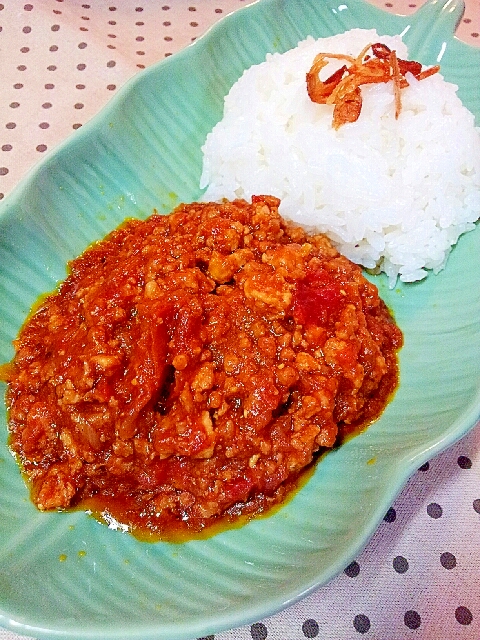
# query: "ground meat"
192,365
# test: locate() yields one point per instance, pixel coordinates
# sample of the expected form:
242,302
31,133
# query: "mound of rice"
392,194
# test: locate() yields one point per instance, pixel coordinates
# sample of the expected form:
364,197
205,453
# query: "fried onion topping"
375,63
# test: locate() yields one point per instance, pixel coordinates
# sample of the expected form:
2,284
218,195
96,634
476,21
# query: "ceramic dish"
65,575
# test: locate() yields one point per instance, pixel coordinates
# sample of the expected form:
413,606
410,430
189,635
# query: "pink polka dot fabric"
419,577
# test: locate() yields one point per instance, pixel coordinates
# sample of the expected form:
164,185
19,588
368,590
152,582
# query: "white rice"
393,194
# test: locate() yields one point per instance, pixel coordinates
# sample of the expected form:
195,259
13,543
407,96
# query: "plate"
65,575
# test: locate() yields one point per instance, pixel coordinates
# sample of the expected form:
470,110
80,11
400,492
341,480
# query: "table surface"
419,577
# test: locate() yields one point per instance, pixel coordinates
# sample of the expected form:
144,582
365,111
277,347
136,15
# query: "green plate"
65,575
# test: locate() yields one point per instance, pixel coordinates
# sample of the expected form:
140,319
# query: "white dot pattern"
418,577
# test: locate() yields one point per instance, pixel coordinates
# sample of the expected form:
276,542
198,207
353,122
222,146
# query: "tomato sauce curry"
191,366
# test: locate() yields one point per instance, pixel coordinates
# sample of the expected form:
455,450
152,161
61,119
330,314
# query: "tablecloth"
419,576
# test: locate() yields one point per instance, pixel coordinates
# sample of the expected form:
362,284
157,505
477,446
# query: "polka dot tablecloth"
419,576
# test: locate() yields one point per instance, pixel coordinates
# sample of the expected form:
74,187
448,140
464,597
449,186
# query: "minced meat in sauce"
191,366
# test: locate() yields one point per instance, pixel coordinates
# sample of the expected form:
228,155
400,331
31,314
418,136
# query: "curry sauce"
192,366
